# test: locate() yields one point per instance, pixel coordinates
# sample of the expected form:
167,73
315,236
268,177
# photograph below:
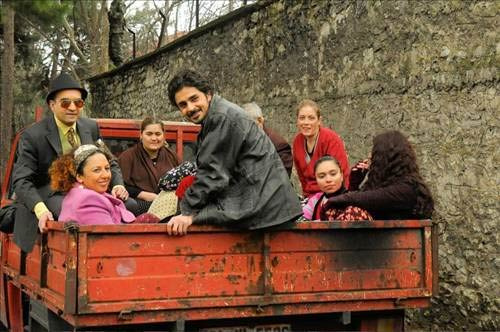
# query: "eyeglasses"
66,103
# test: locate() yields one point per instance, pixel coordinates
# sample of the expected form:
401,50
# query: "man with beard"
241,180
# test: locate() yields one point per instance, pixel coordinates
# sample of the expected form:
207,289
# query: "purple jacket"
88,207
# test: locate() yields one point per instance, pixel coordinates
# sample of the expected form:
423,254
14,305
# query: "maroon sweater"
396,201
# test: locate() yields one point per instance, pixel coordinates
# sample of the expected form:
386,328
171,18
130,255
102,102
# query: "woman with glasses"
143,164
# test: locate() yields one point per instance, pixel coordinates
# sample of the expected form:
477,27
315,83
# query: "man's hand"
42,222
179,225
120,192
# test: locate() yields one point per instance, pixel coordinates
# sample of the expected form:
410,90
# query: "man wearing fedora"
39,146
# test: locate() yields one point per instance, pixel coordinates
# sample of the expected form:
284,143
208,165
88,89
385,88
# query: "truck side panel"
127,274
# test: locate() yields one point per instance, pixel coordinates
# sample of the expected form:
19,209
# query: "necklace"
311,151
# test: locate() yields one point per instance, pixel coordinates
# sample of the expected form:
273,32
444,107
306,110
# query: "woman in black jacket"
393,188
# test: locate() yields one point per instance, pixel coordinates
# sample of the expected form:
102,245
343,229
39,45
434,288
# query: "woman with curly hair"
85,175
393,188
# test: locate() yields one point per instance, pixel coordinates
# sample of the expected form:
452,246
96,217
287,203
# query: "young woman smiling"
313,142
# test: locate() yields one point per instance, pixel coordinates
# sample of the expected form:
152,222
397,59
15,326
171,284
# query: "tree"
7,84
116,17
92,29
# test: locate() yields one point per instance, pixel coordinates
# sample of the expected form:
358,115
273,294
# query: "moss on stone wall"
428,68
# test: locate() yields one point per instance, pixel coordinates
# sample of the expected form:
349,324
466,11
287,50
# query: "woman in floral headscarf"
84,175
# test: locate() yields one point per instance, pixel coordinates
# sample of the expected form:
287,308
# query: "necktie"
72,138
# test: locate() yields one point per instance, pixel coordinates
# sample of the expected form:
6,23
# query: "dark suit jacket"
38,147
283,148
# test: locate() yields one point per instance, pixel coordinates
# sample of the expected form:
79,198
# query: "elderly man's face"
193,103
67,115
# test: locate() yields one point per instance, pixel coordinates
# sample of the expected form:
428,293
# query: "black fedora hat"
64,82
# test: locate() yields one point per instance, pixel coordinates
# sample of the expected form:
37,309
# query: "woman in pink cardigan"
85,175
313,142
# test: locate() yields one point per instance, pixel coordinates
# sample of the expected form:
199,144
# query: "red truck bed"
133,274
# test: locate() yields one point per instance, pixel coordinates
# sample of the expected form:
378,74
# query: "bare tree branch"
70,34
130,3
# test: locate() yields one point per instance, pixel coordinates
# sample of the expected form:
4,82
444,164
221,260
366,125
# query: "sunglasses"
66,103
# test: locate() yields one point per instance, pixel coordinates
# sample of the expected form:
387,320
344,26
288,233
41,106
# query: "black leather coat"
241,180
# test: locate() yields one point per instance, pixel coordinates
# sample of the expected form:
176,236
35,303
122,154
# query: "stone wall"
428,68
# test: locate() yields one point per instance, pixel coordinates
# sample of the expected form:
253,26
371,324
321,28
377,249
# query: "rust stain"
251,265
413,256
250,243
183,250
99,267
184,303
134,246
233,278
191,258
275,261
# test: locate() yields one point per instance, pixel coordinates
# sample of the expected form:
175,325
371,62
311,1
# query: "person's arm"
91,212
147,196
400,196
133,190
358,174
285,153
309,207
298,155
25,173
216,158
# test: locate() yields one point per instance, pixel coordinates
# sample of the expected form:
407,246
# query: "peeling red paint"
212,274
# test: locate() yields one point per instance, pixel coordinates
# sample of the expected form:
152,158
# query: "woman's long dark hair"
393,159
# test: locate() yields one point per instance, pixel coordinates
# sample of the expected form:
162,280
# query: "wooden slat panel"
334,300
13,254
107,267
56,279
335,261
33,263
348,239
56,272
317,282
132,244
173,287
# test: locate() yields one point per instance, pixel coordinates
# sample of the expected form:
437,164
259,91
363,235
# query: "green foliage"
43,12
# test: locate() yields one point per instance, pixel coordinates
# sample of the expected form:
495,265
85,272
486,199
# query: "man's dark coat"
241,180
38,147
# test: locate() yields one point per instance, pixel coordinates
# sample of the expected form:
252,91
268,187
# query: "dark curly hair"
188,78
394,160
